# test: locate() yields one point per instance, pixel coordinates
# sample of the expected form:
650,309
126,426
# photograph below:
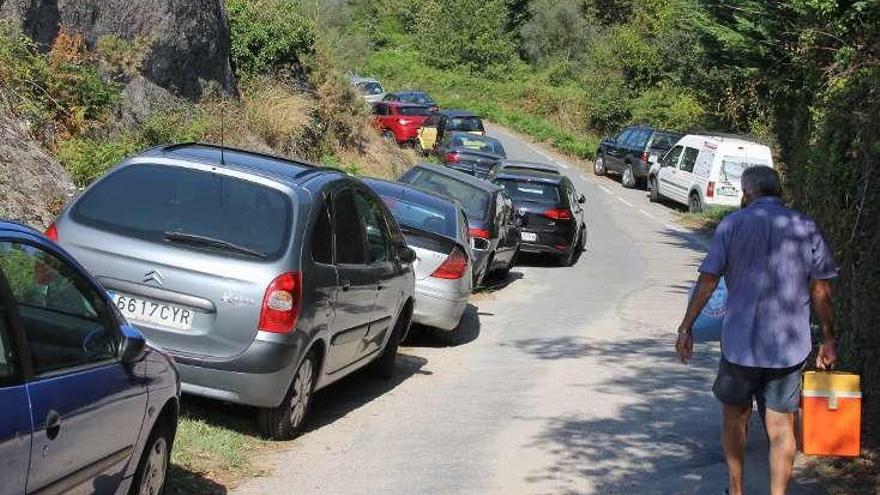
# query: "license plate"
728,191
529,236
139,309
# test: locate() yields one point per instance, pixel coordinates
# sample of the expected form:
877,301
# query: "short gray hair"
761,180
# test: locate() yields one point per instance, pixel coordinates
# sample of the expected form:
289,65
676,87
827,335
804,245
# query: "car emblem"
155,277
522,211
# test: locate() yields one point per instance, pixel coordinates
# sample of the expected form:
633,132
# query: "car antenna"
222,132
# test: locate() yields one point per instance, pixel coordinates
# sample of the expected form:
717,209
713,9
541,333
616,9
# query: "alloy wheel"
628,179
302,393
599,165
156,468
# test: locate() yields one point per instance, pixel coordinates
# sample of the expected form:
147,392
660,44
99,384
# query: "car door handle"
53,424
346,285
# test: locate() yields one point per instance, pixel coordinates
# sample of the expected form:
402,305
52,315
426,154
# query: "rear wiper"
200,240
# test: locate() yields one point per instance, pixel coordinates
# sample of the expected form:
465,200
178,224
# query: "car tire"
286,421
599,165
152,469
628,179
384,365
653,191
389,136
695,205
571,258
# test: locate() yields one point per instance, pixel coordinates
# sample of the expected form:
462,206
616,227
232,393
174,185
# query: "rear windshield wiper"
200,240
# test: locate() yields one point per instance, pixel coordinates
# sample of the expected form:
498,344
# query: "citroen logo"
155,277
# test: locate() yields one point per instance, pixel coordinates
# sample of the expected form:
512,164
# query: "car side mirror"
133,346
582,199
406,254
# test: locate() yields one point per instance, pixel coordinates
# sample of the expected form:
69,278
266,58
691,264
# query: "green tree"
268,35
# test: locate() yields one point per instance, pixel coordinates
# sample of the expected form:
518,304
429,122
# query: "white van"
705,170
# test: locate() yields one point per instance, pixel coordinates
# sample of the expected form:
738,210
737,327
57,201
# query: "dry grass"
276,113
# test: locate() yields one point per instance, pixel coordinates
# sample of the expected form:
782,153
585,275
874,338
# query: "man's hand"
684,346
827,358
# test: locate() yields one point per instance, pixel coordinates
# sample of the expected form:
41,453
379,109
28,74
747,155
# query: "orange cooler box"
831,414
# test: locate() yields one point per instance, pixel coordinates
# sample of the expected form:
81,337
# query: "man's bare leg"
783,447
736,424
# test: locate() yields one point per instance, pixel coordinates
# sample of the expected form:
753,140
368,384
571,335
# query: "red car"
399,121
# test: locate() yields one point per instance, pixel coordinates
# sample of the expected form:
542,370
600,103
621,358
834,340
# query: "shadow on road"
468,330
181,481
494,282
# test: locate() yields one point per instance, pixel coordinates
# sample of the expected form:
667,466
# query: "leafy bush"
86,159
268,35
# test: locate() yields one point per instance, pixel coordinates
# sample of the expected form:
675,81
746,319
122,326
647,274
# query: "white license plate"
529,236
728,191
139,309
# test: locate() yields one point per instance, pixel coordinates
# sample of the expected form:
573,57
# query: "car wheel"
389,136
383,367
599,165
694,203
149,479
285,422
628,180
653,191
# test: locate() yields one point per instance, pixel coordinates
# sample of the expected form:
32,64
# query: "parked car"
87,404
469,153
399,121
550,211
702,171
265,278
632,152
370,89
439,123
436,228
492,226
413,97
520,166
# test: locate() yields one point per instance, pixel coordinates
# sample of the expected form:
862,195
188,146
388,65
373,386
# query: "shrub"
268,35
86,159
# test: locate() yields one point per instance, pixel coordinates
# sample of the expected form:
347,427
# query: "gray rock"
191,44
33,186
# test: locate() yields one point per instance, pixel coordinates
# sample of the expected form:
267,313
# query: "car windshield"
534,192
422,216
665,140
162,204
732,167
370,88
414,111
417,98
474,199
466,124
478,143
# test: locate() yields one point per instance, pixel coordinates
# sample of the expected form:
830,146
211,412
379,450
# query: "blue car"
86,404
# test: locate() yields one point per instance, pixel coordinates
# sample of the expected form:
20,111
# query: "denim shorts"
778,389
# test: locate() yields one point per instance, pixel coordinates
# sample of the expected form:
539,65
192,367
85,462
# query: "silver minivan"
265,279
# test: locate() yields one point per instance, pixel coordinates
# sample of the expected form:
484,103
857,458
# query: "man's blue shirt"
768,254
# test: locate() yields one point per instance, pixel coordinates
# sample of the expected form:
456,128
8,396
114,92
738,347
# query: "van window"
704,163
689,159
671,158
732,167
150,201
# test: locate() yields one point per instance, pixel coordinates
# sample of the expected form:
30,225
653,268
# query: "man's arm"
820,296
706,284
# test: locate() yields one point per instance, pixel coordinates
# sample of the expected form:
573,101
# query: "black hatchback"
470,153
550,211
632,152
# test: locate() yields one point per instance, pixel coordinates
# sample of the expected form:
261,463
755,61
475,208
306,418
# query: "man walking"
776,266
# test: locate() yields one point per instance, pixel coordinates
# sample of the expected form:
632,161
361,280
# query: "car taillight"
281,303
558,214
404,121
453,267
481,233
645,156
52,232
452,157
710,190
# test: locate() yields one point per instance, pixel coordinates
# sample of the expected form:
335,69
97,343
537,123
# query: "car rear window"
148,201
664,140
732,167
370,88
420,216
536,192
419,98
474,199
414,111
466,124
478,143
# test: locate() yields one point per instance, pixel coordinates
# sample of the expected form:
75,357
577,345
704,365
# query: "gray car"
265,279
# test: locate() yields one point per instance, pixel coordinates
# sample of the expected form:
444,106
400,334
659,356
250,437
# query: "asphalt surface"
566,382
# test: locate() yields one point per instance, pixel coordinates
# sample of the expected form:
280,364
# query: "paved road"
567,383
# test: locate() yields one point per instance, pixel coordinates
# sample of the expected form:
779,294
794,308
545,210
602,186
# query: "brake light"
710,190
558,214
481,233
281,303
404,121
452,156
645,156
453,267
52,232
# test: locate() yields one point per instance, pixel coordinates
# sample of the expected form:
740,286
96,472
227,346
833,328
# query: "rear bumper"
539,248
259,376
432,309
640,169
549,241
